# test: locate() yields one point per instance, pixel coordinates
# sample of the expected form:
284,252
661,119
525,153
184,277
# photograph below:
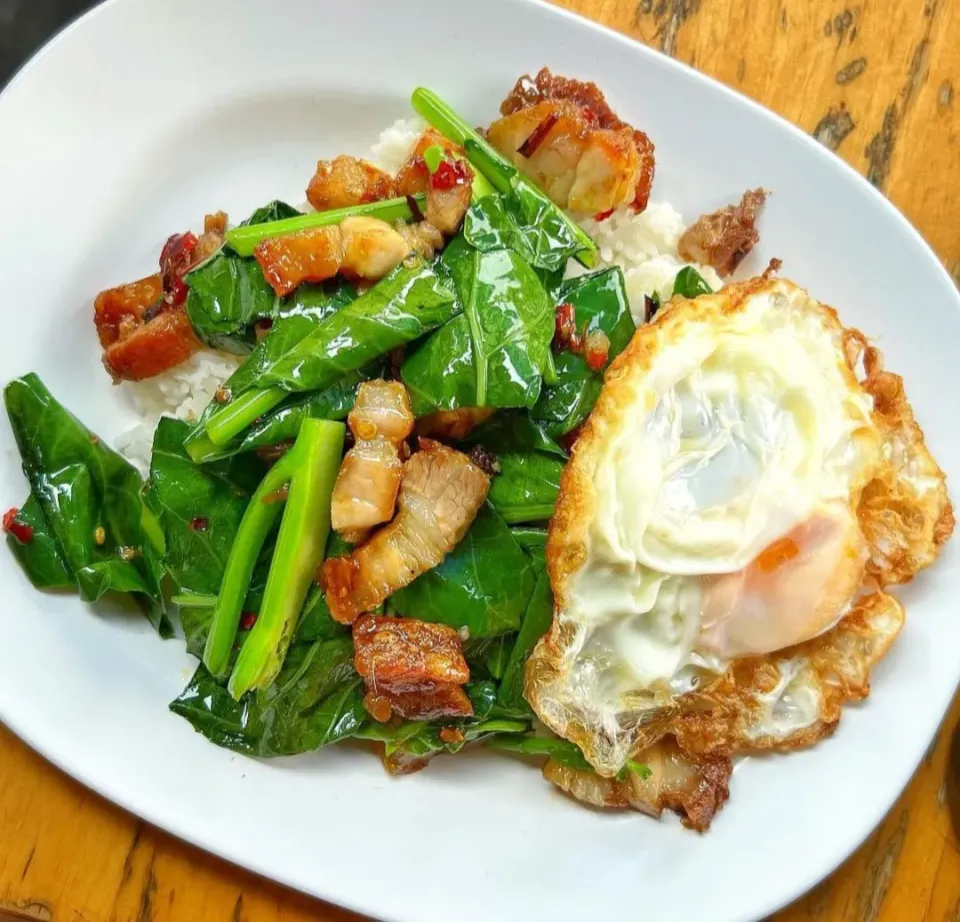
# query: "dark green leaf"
295,318
317,699
228,294
83,486
532,540
690,284
483,584
523,220
487,656
200,507
600,302
514,432
531,463
536,621
274,211
409,302
526,488
496,352
40,557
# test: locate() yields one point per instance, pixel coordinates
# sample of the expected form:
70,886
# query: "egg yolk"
796,588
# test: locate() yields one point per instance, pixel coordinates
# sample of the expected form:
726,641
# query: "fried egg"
736,503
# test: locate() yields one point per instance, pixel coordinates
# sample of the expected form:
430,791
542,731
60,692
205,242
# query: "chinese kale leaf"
496,352
483,584
600,303
89,497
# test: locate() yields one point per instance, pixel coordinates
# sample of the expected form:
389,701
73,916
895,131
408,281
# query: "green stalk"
244,240
200,448
231,419
497,170
256,523
501,174
300,550
517,515
549,370
194,600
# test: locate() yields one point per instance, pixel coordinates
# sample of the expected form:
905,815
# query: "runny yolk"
775,555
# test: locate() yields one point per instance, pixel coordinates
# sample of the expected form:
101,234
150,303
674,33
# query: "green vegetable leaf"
273,211
559,750
690,284
483,584
40,557
317,699
407,303
600,303
90,498
531,463
524,220
228,294
536,621
296,317
497,351
200,507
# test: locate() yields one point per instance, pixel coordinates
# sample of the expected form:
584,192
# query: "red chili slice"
449,174
537,136
22,532
176,258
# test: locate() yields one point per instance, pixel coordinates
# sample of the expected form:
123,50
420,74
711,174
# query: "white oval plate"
146,114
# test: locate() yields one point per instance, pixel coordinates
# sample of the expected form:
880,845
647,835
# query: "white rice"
395,144
643,245
182,392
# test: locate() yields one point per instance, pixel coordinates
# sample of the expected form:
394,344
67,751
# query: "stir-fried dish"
499,461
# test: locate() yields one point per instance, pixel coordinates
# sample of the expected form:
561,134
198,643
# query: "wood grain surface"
879,83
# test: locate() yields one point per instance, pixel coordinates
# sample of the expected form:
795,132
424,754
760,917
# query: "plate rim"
843,845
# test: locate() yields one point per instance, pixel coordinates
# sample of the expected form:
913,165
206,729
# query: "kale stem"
300,549
495,168
194,600
516,515
232,418
244,240
256,523
500,173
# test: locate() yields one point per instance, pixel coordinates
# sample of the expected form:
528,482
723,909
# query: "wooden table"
879,83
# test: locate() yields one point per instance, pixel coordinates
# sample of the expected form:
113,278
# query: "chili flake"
21,531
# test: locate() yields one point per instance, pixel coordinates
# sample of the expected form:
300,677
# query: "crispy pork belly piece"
564,135
448,196
120,310
722,239
413,176
152,347
365,493
382,410
411,668
359,247
346,181
404,654
214,232
422,237
440,494
448,190
143,327
695,787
